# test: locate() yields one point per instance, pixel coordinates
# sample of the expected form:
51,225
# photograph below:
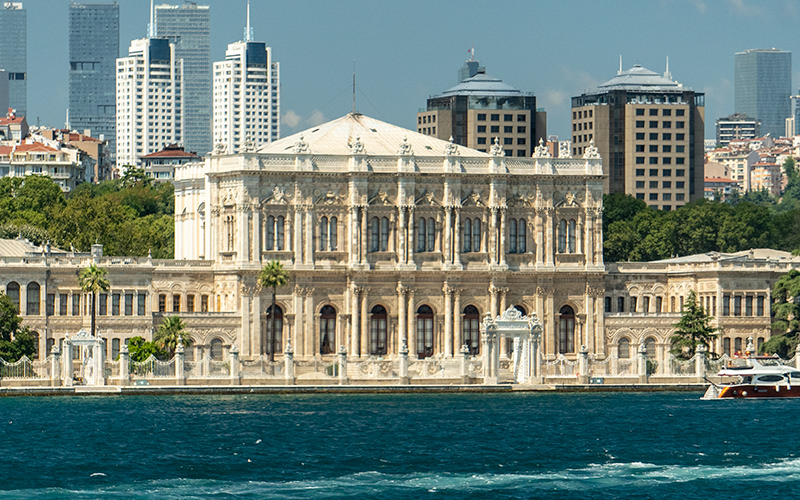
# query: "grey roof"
641,79
378,139
20,247
483,85
754,254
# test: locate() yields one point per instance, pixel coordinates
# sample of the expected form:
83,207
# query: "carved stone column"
549,246
297,232
352,236
492,230
458,338
309,344
364,325
412,325
501,235
457,238
362,255
298,319
355,325
410,244
503,292
493,290
448,239
309,237
402,256
402,333
448,321
538,237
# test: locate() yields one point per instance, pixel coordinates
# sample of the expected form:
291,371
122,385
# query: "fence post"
124,365
66,373
404,378
464,364
583,366
180,364
700,362
642,362
55,366
234,360
288,360
342,365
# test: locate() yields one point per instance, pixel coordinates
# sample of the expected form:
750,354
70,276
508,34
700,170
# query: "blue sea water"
399,446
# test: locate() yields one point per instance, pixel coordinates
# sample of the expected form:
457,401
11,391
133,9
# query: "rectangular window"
640,148
726,305
680,149
190,303
495,129
666,184
639,172
639,136
62,304
679,185
508,140
522,118
653,136
633,304
666,160
508,118
653,124
759,305
76,304
608,304
639,184
50,304
639,196
653,196
666,137
481,140
114,349
653,112
508,130
621,304
748,305
653,148
737,305
176,303
204,303
680,160
495,117
653,184
654,172
679,197
115,304
667,197
141,299
679,124
521,130
162,302
102,308
520,141
667,172
653,160
666,112
666,124
679,137
481,129
640,160
679,112
481,117
640,112
639,123
128,304
680,172
666,149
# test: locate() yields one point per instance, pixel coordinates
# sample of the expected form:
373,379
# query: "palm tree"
170,333
93,280
272,275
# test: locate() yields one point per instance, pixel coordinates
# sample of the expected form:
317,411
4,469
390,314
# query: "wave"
613,476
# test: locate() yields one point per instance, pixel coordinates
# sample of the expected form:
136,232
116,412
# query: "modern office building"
735,127
14,54
649,131
246,95
93,52
762,86
188,27
149,100
482,109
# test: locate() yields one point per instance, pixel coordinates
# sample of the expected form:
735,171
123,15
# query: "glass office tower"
93,51
763,80
14,54
188,27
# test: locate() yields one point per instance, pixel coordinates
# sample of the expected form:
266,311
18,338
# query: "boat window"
795,374
769,378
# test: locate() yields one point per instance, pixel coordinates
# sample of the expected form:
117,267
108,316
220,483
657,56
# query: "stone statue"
497,149
591,152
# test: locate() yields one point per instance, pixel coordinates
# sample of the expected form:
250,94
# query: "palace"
392,239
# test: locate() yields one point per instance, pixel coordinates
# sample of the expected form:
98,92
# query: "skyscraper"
648,129
93,51
149,89
246,95
188,27
14,53
482,109
762,86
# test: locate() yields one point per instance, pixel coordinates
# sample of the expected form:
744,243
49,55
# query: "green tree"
785,316
693,329
140,349
15,340
272,275
93,280
170,333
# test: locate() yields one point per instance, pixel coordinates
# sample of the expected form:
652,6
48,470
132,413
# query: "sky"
405,51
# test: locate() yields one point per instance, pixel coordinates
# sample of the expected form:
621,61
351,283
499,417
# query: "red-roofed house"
161,164
13,127
64,166
719,188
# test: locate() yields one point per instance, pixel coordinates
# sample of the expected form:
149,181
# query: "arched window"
279,224
521,309
431,235
650,347
269,236
35,354
467,236
216,349
377,331
566,330
273,342
521,236
476,235
12,290
562,236
512,236
375,230
424,331
334,234
33,299
470,329
327,330
624,348
384,234
323,234
571,235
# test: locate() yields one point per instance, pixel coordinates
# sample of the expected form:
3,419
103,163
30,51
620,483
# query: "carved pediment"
329,197
381,197
427,198
473,199
279,196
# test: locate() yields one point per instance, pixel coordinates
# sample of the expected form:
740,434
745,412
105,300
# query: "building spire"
667,74
620,65
248,31
354,86
151,28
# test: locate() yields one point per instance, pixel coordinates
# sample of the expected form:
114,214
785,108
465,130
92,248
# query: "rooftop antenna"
620,65
472,53
667,74
248,31
354,86
151,28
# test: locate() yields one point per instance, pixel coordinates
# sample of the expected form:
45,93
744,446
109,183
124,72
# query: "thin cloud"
291,119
